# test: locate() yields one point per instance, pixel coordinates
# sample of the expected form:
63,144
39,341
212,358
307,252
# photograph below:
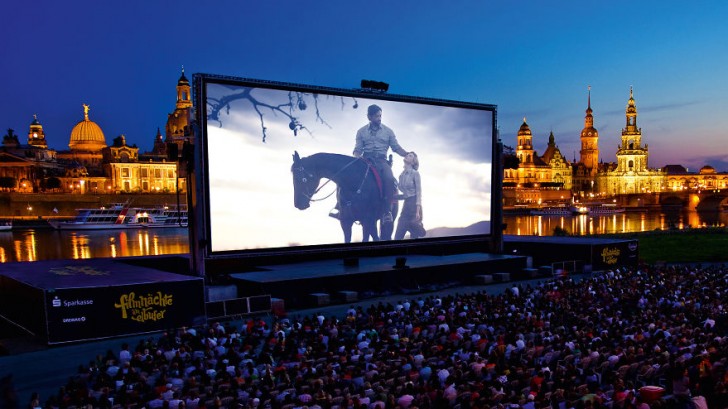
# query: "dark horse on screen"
358,194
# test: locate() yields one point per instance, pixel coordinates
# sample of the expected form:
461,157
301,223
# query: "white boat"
552,211
606,208
175,217
6,225
122,216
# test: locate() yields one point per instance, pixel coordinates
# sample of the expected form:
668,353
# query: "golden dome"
87,135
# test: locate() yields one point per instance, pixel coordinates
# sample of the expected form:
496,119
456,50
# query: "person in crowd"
593,342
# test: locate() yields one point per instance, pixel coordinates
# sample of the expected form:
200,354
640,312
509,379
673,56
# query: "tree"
53,183
560,232
297,102
510,160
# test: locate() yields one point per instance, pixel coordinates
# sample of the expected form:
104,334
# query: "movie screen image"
280,170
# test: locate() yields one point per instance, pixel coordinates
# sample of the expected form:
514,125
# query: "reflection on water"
35,245
628,222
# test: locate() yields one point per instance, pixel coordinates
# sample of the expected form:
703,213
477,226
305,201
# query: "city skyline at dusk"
533,60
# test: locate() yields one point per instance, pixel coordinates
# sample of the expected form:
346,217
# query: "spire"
588,103
631,111
183,81
86,108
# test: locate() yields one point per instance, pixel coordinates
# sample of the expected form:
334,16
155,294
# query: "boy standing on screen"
373,142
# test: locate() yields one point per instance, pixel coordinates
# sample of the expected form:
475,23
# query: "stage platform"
72,300
295,283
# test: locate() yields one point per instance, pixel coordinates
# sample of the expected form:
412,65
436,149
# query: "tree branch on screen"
297,102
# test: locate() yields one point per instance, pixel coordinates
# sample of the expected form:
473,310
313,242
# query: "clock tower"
589,141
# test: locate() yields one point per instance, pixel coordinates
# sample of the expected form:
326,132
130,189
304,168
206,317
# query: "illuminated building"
179,123
678,178
630,174
90,165
586,169
537,179
25,167
86,142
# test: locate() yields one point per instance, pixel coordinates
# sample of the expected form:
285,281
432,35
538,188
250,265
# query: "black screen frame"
204,258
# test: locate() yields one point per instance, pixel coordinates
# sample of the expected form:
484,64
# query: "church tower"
36,136
179,122
524,149
589,141
631,155
184,99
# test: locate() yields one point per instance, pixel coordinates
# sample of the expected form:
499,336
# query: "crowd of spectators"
594,342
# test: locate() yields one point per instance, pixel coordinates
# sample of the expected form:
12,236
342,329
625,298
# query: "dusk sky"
532,59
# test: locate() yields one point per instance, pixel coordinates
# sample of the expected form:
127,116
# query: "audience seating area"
654,337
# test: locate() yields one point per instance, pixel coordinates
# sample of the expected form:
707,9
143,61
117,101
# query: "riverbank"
28,206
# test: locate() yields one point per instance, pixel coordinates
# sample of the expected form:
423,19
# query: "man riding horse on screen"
372,143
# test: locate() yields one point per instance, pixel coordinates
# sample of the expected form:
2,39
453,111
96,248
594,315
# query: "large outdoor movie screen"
291,166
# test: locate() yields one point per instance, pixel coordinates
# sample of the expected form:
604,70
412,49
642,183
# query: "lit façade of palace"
551,178
92,166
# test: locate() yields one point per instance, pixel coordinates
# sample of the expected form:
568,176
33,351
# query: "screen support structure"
204,230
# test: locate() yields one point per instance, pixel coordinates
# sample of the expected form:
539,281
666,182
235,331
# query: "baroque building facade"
541,179
538,178
89,165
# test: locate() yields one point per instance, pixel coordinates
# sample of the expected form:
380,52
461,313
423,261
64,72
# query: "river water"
47,244
627,222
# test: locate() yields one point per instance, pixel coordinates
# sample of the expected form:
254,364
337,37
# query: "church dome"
707,169
87,135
